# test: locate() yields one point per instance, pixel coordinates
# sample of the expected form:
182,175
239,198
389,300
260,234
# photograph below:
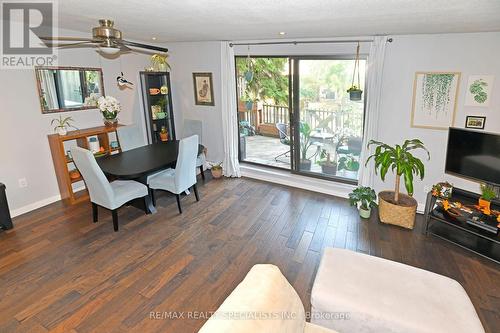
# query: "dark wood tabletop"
140,162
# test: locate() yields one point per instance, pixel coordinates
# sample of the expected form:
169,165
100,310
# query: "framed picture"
203,89
479,90
476,122
434,99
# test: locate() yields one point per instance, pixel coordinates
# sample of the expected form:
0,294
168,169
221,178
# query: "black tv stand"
472,238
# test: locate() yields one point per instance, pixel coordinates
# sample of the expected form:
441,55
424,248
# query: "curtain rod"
309,42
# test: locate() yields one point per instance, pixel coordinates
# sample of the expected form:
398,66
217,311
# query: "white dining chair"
103,193
130,137
195,127
183,176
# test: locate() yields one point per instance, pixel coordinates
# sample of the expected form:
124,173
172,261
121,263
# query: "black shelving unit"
157,95
458,232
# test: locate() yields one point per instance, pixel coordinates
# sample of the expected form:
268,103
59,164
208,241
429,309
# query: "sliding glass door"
295,113
328,124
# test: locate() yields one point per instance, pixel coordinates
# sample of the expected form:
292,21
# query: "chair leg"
94,212
202,173
114,212
153,198
282,154
178,197
196,192
144,199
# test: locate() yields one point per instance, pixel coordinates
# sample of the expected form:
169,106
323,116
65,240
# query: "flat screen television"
473,154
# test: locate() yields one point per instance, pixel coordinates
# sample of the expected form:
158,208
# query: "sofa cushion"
385,296
263,302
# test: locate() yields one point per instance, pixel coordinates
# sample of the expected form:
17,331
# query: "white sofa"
383,296
264,302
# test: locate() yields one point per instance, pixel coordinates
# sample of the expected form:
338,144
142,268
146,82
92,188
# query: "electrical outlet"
22,182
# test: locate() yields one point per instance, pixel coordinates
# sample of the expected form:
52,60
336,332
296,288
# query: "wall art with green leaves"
479,89
435,99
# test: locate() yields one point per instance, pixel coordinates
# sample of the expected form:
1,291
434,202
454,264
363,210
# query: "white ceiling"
198,20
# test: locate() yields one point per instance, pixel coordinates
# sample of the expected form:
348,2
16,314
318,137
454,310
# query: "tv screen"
473,155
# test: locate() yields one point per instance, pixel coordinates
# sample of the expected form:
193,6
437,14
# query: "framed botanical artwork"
434,99
479,90
476,122
203,89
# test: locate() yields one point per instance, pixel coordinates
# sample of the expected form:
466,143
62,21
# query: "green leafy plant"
488,192
325,158
348,163
400,160
305,139
353,88
160,59
62,123
365,196
216,166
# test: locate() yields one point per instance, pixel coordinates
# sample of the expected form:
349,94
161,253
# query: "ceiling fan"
107,38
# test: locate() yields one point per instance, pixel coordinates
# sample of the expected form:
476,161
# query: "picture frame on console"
475,122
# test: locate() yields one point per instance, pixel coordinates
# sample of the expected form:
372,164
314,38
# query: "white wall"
466,53
24,145
186,59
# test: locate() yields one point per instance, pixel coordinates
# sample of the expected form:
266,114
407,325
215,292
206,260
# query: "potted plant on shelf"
109,107
216,170
305,143
395,207
159,62
62,125
350,166
364,198
328,166
163,134
487,195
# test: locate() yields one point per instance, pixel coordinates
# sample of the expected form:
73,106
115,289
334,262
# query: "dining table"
139,163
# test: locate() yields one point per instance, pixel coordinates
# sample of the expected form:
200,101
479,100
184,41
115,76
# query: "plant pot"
164,136
484,204
61,131
248,76
329,169
355,95
305,165
401,214
216,173
110,123
365,213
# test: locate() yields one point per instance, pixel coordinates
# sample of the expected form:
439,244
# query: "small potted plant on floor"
350,166
305,143
109,107
328,166
62,125
394,207
216,170
363,198
487,195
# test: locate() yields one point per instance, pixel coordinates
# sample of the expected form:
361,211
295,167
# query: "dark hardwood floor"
59,272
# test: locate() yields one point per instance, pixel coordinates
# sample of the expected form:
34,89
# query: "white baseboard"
34,205
307,183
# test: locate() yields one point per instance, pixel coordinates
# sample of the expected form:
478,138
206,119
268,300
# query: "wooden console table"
63,164
474,239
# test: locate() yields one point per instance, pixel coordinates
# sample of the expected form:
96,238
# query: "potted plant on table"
364,198
109,107
62,125
305,143
328,166
487,195
395,207
350,166
216,170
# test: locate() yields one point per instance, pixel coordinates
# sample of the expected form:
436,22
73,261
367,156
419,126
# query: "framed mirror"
62,89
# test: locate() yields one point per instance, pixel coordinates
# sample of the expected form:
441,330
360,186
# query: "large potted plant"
328,166
395,207
305,143
364,198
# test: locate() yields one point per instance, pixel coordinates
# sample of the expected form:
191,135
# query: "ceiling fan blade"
71,44
124,48
68,39
144,46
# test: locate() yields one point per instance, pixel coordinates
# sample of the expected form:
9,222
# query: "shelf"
74,180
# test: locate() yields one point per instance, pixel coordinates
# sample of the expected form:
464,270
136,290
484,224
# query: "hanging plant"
249,72
354,90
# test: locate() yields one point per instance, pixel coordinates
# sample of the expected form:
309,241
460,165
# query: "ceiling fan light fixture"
109,50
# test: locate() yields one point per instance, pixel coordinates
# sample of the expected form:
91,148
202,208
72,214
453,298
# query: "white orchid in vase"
109,107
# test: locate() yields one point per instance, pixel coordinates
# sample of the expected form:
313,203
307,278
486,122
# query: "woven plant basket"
402,215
